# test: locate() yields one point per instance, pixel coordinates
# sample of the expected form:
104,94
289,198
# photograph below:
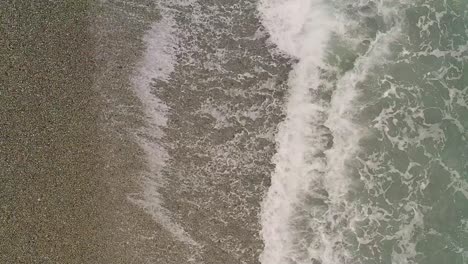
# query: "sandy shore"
50,184
69,160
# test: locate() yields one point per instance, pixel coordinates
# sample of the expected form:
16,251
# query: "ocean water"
372,158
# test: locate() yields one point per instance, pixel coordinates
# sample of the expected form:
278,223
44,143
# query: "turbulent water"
372,159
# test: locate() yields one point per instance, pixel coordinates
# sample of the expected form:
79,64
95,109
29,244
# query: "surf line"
308,165
300,29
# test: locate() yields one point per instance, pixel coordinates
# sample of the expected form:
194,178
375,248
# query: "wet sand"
220,134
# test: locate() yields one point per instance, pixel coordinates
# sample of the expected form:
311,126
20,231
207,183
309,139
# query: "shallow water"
206,96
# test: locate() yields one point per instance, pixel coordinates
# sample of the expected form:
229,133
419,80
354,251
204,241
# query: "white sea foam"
306,165
301,29
157,63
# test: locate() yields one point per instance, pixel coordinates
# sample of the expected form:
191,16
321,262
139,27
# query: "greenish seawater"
409,201
372,162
